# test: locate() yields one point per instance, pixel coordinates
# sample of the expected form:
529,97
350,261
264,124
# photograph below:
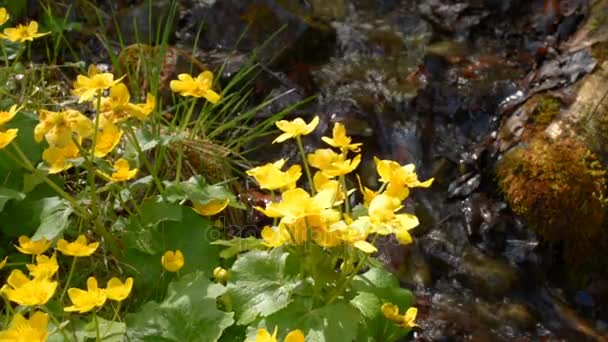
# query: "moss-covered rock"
558,187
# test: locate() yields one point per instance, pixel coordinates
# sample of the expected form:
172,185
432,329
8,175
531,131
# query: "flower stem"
97,335
305,163
346,201
67,282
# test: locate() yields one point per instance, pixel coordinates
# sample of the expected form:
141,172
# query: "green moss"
558,187
546,110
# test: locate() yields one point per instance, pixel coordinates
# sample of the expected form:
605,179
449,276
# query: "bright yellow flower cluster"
20,33
65,130
7,136
320,216
407,320
39,287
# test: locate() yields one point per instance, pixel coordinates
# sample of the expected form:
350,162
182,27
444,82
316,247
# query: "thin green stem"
346,201
305,163
90,162
131,135
97,335
340,289
67,282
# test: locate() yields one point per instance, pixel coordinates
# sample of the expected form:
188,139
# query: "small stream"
425,82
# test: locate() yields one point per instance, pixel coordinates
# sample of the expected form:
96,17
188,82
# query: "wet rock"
493,277
562,71
329,10
139,23
452,15
413,270
464,185
281,29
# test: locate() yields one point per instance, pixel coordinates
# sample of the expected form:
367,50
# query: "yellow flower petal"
211,208
4,16
7,137
123,171
295,336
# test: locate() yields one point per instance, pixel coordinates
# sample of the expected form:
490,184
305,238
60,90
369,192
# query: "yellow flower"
21,329
171,261
275,236
322,182
27,246
293,336
85,301
211,208
87,87
22,33
391,312
117,107
108,137
340,140
59,128
322,158
78,248
197,87
342,167
295,128
220,274
331,163
384,220
7,137
122,173
29,292
7,116
409,318
270,176
117,290
45,267
4,16
399,178
3,262
57,157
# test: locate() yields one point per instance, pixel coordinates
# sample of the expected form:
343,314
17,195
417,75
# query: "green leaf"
153,212
9,194
184,230
384,285
367,303
334,322
188,313
47,217
54,218
374,288
261,283
109,331
237,245
197,189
